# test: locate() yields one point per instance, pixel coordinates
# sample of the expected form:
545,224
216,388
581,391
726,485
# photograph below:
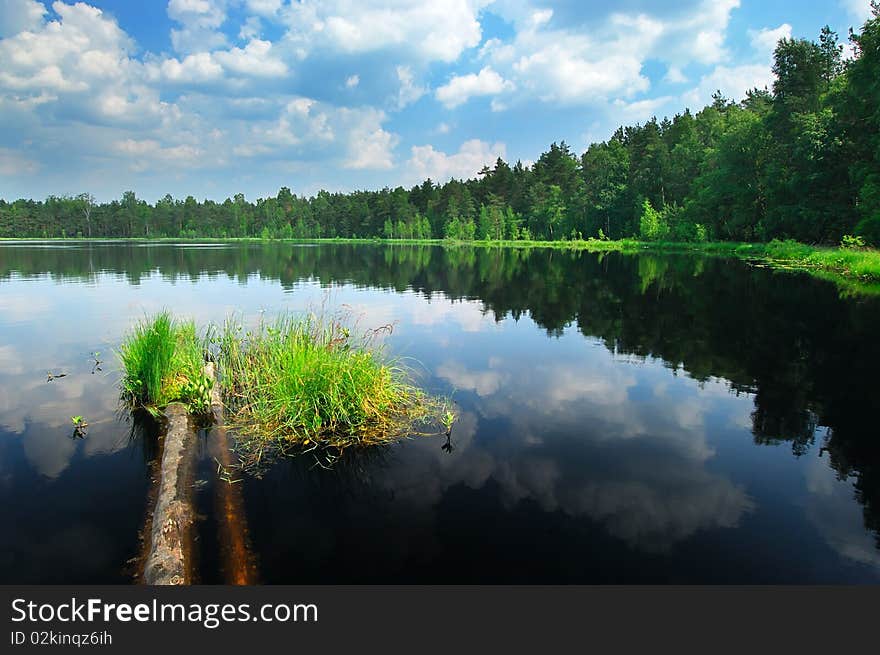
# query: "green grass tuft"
313,382
163,360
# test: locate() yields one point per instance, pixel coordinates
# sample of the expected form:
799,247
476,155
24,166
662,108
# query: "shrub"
652,224
852,242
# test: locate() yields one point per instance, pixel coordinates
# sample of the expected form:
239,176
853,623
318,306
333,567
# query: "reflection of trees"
807,354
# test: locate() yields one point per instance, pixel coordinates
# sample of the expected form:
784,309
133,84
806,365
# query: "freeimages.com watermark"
90,611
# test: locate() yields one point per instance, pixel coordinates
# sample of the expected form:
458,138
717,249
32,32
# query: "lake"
622,418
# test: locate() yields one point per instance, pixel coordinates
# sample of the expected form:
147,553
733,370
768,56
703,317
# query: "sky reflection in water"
593,445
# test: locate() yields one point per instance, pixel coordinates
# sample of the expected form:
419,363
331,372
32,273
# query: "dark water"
622,418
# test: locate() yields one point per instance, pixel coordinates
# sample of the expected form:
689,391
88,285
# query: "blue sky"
213,97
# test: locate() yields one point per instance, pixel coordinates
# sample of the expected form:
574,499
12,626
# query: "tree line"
798,161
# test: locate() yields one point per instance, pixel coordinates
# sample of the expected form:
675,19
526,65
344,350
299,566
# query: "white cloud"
199,67
19,15
251,28
264,7
80,61
147,154
602,60
409,91
300,120
463,87
764,41
352,81
434,31
71,54
674,75
735,80
699,36
732,81
370,146
858,9
568,66
255,59
426,162
640,110
200,21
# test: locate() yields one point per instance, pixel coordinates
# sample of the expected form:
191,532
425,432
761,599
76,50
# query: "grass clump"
163,362
848,261
312,382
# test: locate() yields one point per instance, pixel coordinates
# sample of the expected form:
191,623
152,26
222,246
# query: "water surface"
622,418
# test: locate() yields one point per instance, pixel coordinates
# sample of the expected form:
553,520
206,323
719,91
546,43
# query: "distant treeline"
800,161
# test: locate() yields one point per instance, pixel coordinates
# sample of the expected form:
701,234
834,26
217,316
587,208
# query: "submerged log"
239,567
169,558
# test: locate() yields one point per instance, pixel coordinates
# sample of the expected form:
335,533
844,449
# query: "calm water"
622,418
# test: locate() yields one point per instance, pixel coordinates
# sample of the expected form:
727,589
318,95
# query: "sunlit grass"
861,263
315,382
163,362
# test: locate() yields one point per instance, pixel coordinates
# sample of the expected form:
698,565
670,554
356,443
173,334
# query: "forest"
799,161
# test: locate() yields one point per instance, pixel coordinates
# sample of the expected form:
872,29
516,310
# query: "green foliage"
869,230
163,362
652,224
852,242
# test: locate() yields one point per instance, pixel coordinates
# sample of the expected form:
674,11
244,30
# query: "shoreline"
856,270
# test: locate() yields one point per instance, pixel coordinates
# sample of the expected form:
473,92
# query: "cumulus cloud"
255,59
200,21
602,59
200,67
148,153
858,9
426,162
19,16
82,62
463,87
370,146
562,66
434,31
409,90
735,80
74,53
640,110
264,7
764,41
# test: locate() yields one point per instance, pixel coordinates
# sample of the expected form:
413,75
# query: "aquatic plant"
447,420
316,383
305,383
79,427
164,362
